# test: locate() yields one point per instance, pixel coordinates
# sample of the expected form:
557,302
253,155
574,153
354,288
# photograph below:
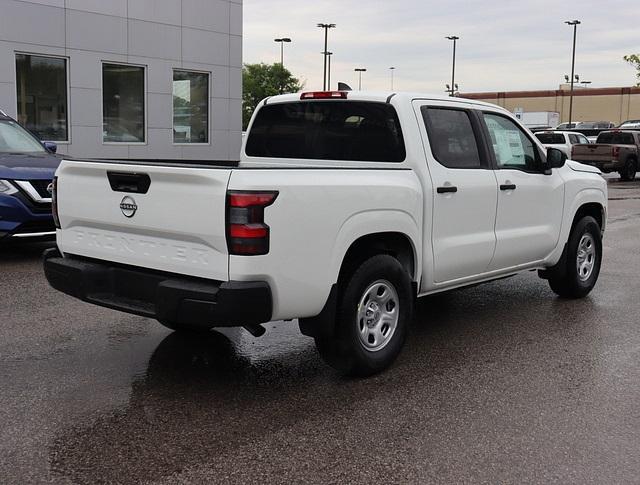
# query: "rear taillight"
247,233
54,202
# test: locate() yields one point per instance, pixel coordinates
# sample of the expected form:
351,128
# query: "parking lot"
501,383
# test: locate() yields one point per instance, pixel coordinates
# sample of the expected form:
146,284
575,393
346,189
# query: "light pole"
453,69
360,70
392,69
326,28
575,24
328,54
282,42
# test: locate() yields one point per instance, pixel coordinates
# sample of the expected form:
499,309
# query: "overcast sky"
504,45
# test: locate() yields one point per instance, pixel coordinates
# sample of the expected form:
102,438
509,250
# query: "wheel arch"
394,243
593,209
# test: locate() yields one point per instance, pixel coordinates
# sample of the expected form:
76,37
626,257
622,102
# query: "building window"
42,96
123,104
190,107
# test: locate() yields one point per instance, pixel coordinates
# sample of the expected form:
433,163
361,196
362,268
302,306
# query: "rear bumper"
164,296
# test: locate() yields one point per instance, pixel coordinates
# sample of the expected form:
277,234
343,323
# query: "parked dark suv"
27,167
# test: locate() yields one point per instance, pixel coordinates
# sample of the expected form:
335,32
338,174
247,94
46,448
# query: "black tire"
345,351
568,282
629,170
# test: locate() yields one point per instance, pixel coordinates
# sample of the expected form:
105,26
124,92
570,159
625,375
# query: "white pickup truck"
343,209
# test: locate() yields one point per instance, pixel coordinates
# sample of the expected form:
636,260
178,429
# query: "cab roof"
375,96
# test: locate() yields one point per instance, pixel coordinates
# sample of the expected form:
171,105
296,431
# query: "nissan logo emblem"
128,206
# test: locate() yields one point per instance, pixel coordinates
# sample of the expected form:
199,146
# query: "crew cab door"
464,195
530,202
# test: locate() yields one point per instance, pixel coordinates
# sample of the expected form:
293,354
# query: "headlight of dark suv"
7,188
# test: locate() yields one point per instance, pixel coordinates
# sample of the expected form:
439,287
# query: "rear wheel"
373,314
629,170
582,265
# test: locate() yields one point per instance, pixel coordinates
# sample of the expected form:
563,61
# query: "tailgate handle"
130,182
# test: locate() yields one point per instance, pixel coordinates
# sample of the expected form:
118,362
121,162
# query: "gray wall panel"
154,40
31,23
94,32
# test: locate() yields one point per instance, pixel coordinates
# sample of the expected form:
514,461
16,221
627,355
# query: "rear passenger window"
327,130
615,138
451,137
574,139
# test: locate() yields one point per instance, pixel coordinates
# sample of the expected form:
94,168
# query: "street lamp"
326,28
360,70
329,54
452,92
392,69
282,42
453,69
575,24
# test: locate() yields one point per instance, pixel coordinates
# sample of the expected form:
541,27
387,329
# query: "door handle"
508,187
447,189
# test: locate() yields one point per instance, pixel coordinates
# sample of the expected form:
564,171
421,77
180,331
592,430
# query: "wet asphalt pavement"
501,383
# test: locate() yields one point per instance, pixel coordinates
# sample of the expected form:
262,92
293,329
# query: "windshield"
15,139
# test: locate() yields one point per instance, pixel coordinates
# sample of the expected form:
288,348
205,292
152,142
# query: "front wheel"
373,314
628,172
583,260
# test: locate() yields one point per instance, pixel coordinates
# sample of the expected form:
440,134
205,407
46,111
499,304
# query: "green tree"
261,81
634,60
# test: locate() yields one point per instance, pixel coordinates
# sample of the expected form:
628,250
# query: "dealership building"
142,79
616,104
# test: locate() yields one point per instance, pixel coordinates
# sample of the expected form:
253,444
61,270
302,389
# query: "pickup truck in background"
562,140
591,129
613,151
343,209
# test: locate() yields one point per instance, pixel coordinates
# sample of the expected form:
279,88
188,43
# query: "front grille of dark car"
36,207
35,227
41,187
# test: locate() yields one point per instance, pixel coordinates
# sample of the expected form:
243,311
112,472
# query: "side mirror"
50,146
555,158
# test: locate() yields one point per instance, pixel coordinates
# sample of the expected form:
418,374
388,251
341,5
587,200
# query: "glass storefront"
190,107
123,103
42,96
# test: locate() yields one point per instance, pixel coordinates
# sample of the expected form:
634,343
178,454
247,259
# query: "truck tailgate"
177,226
591,152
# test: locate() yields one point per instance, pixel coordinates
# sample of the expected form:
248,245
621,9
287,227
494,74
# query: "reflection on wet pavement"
497,383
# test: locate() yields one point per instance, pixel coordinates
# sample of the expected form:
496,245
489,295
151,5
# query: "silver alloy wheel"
586,258
378,313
